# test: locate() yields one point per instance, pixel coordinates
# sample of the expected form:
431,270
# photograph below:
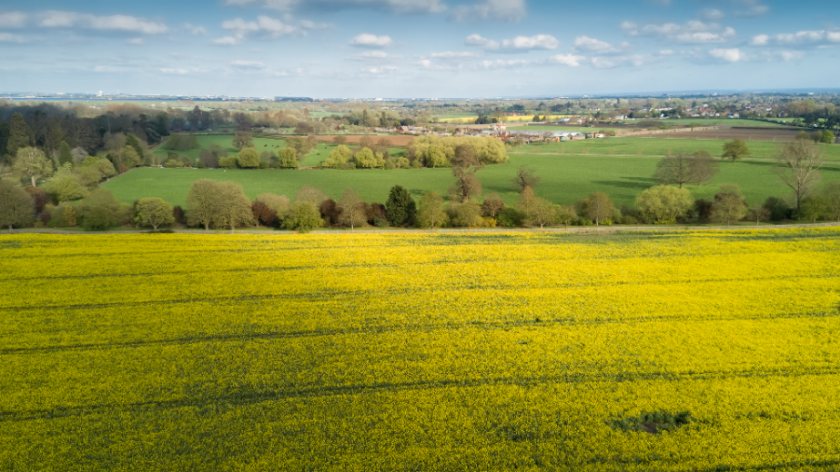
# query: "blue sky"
415,48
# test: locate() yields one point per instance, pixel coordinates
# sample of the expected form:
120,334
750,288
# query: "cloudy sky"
415,48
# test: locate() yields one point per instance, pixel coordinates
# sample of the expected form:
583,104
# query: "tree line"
62,192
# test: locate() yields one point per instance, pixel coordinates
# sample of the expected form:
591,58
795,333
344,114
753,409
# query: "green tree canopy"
153,213
735,150
729,205
431,212
17,208
100,211
339,157
20,135
400,208
303,217
66,185
248,158
663,204
288,158
32,164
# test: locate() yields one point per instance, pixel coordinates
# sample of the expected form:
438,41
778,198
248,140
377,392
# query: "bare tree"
799,165
352,209
526,177
681,169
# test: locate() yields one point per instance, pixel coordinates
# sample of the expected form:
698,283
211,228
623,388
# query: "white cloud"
374,55
504,63
112,23
751,8
247,65
570,60
590,44
264,26
798,39
195,29
612,62
13,19
760,40
692,32
181,71
398,6
788,56
516,44
727,54
713,14
452,54
228,40
368,40
509,10
380,70
11,38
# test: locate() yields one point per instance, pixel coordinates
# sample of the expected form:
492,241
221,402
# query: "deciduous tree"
339,157
66,185
16,206
799,167
288,158
681,169
153,212
203,203
31,163
598,208
526,177
729,206
351,209
831,196
664,204
735,150
248,158
431,212
234,208
100,211
303,217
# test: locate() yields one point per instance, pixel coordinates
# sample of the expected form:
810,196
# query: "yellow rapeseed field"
705,350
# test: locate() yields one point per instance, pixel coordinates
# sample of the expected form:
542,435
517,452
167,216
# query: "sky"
415,48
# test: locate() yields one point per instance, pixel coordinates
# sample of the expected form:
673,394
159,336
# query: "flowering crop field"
705,350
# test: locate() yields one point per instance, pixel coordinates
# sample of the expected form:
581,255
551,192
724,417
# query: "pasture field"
224,141
704,350
726,122
621,167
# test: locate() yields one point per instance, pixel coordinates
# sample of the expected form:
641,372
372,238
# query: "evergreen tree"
20,135
400,209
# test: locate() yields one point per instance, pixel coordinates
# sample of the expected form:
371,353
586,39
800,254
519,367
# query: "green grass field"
726,122
621,167
682,351
224,141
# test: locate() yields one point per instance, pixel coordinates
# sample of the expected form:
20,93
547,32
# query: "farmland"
621,167
710,350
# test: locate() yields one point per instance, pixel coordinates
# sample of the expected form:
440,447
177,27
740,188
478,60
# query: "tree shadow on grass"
633,183
827,167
